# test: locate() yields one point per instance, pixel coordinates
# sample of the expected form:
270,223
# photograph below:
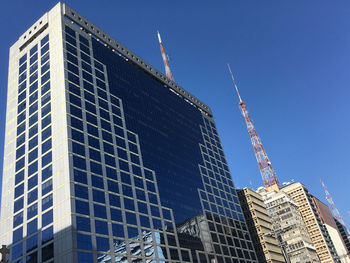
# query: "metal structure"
334,209
165,59
267,173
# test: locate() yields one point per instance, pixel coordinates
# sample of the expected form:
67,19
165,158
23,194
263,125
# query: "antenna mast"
267,173
335,211
165,59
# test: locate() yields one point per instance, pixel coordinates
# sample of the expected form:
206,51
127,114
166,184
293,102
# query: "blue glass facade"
150,180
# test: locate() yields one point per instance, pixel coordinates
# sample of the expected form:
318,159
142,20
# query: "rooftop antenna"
165,59
267,173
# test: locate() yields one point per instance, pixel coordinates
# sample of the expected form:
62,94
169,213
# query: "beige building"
331,226
318,234
289,227
259,225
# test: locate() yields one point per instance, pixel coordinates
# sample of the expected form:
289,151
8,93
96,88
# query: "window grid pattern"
117,204
33,214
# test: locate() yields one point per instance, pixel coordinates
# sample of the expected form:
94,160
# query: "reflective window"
47,235
32,226
17,251
102,244
98,196
32,211
32,181
81,191
18,219
84,257
32,243
83,224
47,252
97,181
47,218
17,235
84,241
46,173
82,207
80,176
33,196
46,187
46,202
101,227
100,211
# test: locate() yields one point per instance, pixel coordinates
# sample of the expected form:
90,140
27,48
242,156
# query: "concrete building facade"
318,233
328,221
289,227
259,224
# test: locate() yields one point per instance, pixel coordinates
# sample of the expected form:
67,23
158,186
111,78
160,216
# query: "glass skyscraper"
107,160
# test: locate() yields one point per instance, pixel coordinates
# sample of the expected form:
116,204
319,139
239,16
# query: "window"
81,191
45,110
102,244
33,155
84,241
18,205
32,226
84,257
45,48
80,176
118,230
33,108
79,162
116,215
46,133
97,181
45,58
78,148
46,173
46,202
83,224
101,227
47,235
100,211
47,252
46,187
45,77
46,159
44,40
98,196
95,155
17,251
19,177
82,207
32,211
32,243
23,59
114,200
47,218
33,196
46,121
32,182
19,190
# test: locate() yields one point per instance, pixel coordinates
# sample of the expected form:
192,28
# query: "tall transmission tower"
165,59
267,173
335,211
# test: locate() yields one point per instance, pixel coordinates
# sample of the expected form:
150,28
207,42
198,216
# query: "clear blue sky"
290,58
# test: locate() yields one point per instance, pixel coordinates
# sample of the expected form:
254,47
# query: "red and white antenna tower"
165,59
267,173
335,211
